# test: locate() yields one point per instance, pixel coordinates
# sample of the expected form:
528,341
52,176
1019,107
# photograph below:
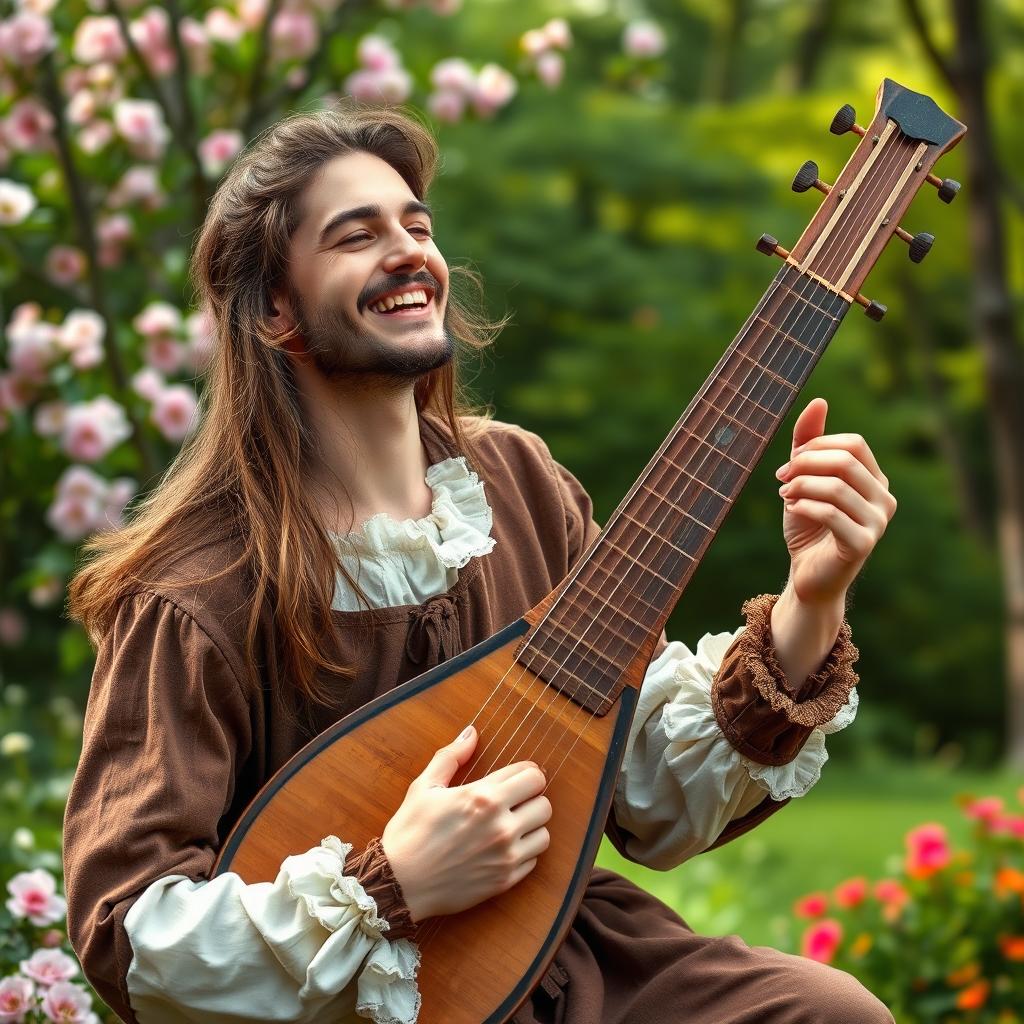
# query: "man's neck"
369,443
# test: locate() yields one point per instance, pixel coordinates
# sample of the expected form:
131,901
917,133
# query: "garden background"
607,168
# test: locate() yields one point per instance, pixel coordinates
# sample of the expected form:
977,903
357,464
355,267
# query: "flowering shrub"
943,941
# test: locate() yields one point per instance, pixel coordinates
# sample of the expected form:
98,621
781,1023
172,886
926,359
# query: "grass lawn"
851,823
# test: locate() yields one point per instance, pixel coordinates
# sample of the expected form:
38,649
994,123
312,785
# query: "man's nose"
406,254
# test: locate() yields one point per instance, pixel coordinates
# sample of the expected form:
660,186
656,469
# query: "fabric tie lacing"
433,631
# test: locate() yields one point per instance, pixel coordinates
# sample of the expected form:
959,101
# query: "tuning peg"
874,310
920,244
845,121
807,177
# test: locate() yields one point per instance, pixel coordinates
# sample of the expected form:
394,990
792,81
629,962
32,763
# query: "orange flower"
1009,880
1012,946
963,975
974,996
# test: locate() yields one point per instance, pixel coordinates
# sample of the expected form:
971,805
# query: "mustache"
395,281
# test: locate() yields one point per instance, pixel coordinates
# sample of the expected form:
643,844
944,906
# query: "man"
245,608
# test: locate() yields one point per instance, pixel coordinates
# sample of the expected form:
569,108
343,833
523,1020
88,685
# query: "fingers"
840,494
846,466
854,444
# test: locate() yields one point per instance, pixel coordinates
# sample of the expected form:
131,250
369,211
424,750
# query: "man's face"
379,248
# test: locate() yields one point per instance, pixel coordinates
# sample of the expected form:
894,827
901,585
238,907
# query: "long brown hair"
239,473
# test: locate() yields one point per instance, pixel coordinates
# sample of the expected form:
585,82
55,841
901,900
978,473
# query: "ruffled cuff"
764,722
373,871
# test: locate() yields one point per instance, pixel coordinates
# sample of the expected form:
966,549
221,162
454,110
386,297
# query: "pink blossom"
813,905
643,39
494,88
986,810
148,383
391,86
120,492
29,126
48,420
202,340
98,39
928,850
12,627
446,105
157,319
375,53
851,893
197,45
252,12
67,1003
138,183
73,518
16,202
82,335
16,999
48,966
164,353
25,38
218,149
550,68
34,895
140,123
93,137
453,75
558,33
294,34
223,26
65,264
821,940
174,411
151,34
91,429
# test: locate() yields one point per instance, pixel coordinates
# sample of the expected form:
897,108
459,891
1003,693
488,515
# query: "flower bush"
943,941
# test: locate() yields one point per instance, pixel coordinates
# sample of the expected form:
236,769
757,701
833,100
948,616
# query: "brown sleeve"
372,869
166,728
761,715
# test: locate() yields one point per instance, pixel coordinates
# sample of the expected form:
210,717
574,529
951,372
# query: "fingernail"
466,733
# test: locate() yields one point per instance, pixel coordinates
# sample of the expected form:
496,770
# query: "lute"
559,685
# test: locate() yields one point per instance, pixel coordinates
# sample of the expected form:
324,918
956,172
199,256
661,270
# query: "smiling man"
340,522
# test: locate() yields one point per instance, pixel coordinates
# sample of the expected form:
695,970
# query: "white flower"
14,743
16,202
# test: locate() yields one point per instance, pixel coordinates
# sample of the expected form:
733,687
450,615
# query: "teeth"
405,299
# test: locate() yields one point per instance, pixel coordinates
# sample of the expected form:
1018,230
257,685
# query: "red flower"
811,906
927,850
821,940
851,893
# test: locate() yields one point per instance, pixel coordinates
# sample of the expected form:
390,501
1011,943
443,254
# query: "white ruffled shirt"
311,942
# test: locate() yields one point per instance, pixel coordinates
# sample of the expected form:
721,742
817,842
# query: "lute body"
559,685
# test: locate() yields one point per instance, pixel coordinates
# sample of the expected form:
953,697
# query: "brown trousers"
629,959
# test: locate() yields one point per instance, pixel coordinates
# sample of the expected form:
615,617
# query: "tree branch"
917,19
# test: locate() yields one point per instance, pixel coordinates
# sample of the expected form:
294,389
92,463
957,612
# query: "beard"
342,347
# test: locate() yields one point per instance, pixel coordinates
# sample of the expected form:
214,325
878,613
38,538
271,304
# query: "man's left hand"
837,506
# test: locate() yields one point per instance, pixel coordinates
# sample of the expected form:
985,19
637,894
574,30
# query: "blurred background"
607,168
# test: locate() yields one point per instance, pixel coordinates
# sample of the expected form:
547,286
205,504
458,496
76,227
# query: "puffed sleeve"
718,741
166,729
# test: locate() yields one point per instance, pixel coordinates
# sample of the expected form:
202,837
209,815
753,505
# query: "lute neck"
623,590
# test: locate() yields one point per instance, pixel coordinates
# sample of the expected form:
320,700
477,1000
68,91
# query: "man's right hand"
452,848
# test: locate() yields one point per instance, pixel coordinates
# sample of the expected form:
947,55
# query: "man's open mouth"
404,303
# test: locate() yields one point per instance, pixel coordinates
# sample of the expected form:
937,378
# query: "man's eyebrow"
367,212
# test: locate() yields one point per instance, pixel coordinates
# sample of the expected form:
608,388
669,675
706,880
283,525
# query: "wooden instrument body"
502,946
